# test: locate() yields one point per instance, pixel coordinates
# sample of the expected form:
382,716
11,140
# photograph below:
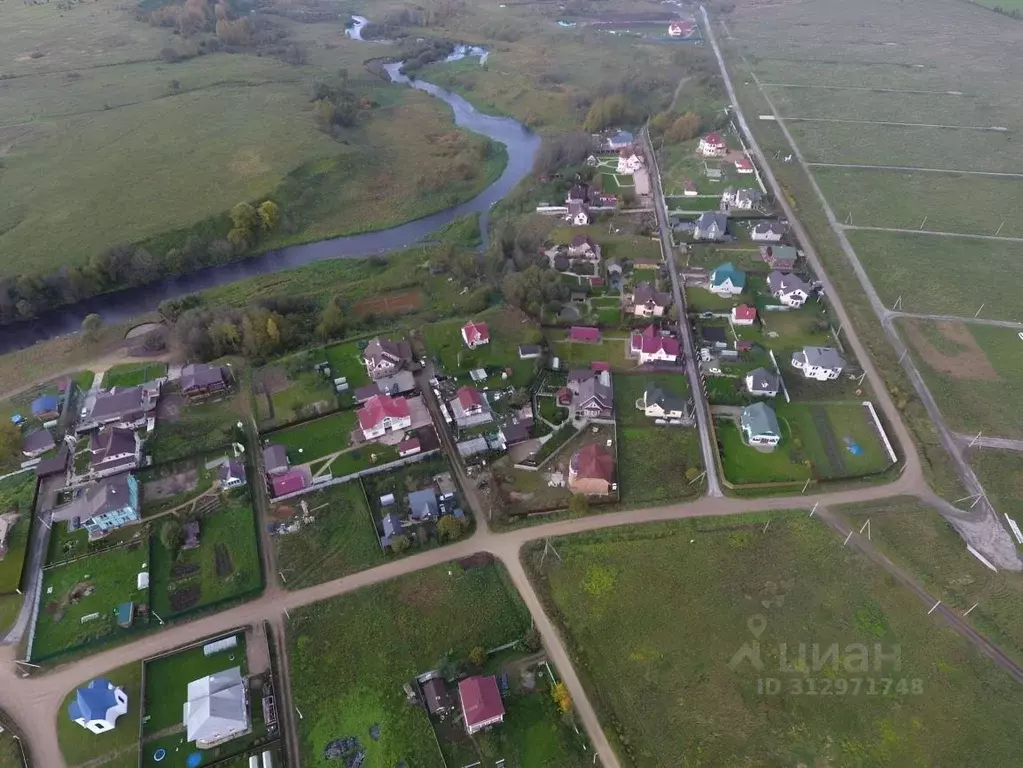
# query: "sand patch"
956,353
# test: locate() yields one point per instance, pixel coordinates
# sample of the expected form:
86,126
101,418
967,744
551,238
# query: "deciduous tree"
10,440
91,326
269,214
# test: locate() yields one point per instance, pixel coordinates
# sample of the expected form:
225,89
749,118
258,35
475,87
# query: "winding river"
121,305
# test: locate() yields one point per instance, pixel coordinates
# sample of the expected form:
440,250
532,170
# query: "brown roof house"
275,459
115,449
649,302
383,357
591,471
201,380
438,698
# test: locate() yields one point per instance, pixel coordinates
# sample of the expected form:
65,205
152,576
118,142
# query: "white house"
680,28
820,363
651,347
475,334
768,231
648,302
629,161
217,709
582,247
788,289
744,166
741,199
744,314
578,213
726,280
381,414
712,145
97,706
759,426
711,226
383,357
762,383
689,188
661,404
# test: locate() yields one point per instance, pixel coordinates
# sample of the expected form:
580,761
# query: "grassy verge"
132,374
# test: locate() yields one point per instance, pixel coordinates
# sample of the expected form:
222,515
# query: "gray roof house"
37,443
591,394
231,474
423,504
769,231
217,709
275,459
115,449
781,257
760,426
820,363
129,406
661,403
711,226
790,290
202,379
762,382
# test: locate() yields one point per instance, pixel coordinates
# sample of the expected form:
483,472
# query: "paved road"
987,534
685,328
911,168
936,233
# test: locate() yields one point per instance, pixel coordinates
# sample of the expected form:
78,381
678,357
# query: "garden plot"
176,483
336,536
224,565
291,390
78,602
738,588
349,684
973,371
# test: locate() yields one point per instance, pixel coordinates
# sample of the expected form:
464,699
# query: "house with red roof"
409,447
680,28
475,334
651,347
591,470
744,314
712,145
291,481
472,401
584,333
744,165
481,703
381,414
630,160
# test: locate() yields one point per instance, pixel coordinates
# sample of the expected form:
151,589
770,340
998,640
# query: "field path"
956,319
933,232
996,443
995,128
914,168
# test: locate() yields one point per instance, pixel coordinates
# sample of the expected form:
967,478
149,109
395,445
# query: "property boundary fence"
26,751
361,473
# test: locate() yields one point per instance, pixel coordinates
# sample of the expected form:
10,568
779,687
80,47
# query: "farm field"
915,537
347,681
972,371
132,374
316,439
965,204
225,565
93,585
342,540
793,584
444,342
16,495
79,746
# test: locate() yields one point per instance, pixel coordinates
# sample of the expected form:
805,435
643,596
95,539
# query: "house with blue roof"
46,407
423,505
97,706
726,280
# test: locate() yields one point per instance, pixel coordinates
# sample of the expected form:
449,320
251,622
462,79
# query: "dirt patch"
186,597
391,304
170,485
270,380
479,560
283,512
959,357
223,561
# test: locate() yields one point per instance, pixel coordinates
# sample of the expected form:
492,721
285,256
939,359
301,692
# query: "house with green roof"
726,280
760,426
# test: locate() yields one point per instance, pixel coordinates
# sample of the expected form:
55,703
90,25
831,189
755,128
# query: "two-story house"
381,414
103,506
115,449
712,145
383,357
629,161
200,380
788,289
820,363
727,280
711,226
760,426
648,302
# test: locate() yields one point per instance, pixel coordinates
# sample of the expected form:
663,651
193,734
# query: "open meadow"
688,677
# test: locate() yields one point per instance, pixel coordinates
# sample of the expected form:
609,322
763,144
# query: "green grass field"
196,428
919,540
16,495
673,688
612,246
444,342
199,577
346,360
743,465
827,431
346,681
315,439
10,751
341,541
580,355
972,371
652,464
79,746
112,577
10,607
133,374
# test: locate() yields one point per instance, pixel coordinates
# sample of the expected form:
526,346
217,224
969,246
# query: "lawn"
315,439
744,465
972,371
346,681
679,162
112,578
346,360
132,374
674,686
915,537
507,331
701,300
612,246
17,494
573,354
10,607
291,391
195,428
942,275
342,540
10,751
826,433
653,461
365,456
78,745
224,566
